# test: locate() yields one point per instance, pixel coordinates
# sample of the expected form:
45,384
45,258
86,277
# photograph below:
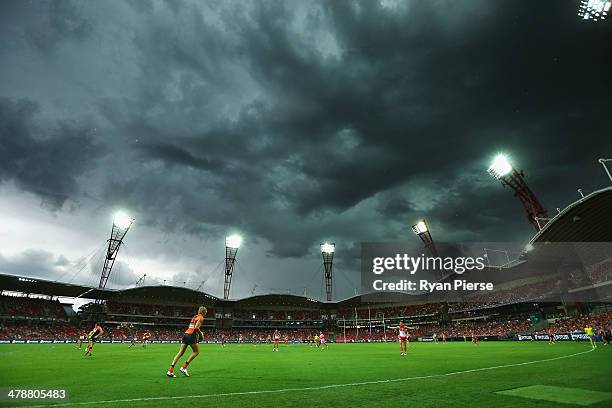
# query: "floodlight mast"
232,243
121,225
502,170
327,251
421,229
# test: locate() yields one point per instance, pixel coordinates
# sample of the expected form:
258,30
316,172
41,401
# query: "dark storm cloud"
40,159
404,92
298,122
48,23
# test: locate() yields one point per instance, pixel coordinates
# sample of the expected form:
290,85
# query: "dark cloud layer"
299,122
47,161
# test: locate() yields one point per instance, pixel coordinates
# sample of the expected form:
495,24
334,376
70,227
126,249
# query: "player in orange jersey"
193,335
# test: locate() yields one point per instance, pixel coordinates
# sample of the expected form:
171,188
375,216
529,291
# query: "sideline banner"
558,336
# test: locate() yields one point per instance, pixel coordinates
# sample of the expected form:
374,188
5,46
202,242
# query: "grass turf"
118,373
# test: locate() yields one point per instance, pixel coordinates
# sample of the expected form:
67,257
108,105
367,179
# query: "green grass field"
347,375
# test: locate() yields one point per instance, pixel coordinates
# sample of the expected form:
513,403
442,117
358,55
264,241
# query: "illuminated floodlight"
594,9
500,166
328,248
122,220
502,170
121,225
420,227
233,241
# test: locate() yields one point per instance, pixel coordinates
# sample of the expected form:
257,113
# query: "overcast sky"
290,123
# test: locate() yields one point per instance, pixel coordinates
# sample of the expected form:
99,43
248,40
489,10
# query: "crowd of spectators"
522,293
23,331
570,324
31,308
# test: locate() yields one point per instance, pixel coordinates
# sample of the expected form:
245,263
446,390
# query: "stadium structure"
523,306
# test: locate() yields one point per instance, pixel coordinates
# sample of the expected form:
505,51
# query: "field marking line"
320,387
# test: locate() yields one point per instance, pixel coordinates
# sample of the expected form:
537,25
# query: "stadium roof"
162,294
26,284
278,300
586,220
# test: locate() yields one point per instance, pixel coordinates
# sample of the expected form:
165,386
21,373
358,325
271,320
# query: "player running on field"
589,332
474,339
93,336
323,341
134,340
192,336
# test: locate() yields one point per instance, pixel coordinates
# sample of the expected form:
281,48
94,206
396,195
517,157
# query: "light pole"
501,169
232,243
327,251
421,229
121,225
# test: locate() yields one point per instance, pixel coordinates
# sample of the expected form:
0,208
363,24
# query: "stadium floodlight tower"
594,9
327,251
502,170
232,243
421,229
121,225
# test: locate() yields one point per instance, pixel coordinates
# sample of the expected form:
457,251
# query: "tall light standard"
421,229
121,225
232,243
327,251
501,169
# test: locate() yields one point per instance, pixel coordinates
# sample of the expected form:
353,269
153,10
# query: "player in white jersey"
275,340
81,340
402,337
323,341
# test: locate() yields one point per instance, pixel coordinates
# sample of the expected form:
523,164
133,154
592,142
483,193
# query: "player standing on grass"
146,336
603,336
193,335
93,336
474,339
551,336
81,339
276,340
402,337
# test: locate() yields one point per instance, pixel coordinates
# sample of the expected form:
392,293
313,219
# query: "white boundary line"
321,387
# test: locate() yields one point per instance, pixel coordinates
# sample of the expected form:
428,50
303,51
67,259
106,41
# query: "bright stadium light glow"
420,227
594,9
122,220
233,241
500,166
328,248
